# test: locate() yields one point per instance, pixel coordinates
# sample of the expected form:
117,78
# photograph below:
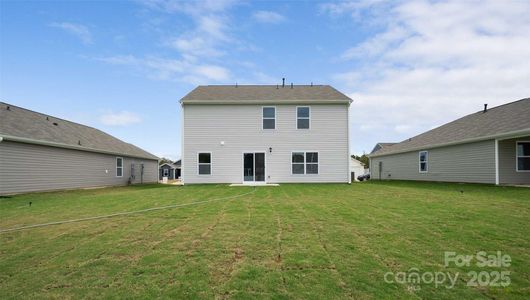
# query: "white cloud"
172,69
122,118
78,30
265,16
433,62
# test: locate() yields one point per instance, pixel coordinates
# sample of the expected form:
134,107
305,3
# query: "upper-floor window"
424,161
523,156
304,163
303,117
269,117
205,163
119,167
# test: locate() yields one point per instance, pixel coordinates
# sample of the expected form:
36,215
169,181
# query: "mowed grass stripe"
301,241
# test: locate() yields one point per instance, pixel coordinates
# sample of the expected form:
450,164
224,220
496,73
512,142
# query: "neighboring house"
39,152
265,134
169,170
356,168
489,146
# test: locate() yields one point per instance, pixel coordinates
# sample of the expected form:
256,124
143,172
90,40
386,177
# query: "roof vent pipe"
311,83
485,107
8,108
283,82
291,85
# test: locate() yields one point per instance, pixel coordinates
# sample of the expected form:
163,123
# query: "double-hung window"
205,163
304,163
523,156
303,117
166,172
269,117
424,161
119,167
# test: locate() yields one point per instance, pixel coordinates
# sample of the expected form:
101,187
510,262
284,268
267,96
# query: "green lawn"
292,241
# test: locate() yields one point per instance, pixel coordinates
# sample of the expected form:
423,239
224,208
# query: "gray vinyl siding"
507,163
30,168
240,128
473,162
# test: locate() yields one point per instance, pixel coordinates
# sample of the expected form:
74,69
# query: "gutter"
500,136
66,146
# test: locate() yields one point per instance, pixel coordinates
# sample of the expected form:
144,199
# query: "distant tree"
164,160
364,159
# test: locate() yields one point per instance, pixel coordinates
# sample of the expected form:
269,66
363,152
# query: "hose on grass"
124,213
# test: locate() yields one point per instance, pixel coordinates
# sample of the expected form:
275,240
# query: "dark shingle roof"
26,124
264,93
504,119
378,146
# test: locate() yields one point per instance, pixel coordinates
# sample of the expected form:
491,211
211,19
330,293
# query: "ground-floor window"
166,172
424,161
523,156
204,163
119,167
304,162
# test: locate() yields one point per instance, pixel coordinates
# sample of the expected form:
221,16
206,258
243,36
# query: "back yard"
291,241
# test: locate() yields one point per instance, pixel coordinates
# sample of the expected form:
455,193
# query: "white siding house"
356,168
265,134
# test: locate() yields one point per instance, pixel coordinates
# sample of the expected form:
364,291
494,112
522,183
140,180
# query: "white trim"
308,118
349,148
182,143
304,163
496,161
254,164
517,158
426,161
265,102
211,163
500,136
268,118
118,157
166,164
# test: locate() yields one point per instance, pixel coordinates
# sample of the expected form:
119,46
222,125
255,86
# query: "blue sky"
122,66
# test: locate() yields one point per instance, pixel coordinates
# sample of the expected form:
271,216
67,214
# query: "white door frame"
254,163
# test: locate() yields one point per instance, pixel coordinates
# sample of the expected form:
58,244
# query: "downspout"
496,161
182,166
349,150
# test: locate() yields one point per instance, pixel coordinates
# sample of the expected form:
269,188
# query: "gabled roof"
381,145
356,160
23,125
499,122
175,165
235,94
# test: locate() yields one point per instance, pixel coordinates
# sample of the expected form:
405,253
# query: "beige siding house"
40,153
489,146
265,134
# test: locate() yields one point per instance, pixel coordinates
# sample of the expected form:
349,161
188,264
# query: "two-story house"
265,134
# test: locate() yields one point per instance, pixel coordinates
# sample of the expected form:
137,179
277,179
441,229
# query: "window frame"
426,161
267,118
199,164
522,156
304,118
305,163
121,168
165,172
